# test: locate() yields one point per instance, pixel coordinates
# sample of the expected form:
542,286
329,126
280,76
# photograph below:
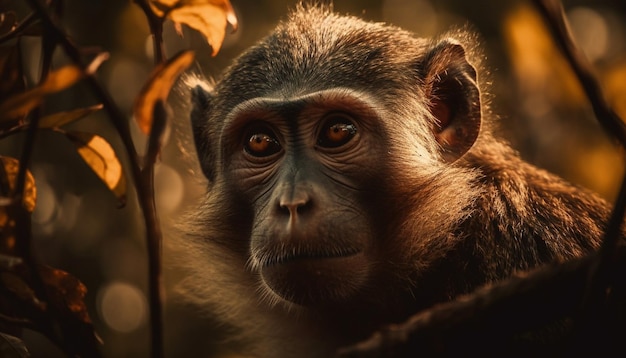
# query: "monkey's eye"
261,143
336,131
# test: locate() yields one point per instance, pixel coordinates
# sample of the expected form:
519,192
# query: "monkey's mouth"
296,255
316,278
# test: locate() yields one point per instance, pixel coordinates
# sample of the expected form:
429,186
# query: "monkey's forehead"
315,49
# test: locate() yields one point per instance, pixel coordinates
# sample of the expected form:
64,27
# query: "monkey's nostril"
295,207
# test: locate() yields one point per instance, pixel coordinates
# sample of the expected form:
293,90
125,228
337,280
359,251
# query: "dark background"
78,228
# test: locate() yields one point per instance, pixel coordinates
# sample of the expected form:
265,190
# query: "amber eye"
336,131
262,143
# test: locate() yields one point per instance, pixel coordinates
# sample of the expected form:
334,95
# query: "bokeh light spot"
590,30
169,187
122,306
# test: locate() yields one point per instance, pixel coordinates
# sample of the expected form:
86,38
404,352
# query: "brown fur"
447,221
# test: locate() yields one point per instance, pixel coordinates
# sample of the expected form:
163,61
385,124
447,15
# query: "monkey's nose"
295,205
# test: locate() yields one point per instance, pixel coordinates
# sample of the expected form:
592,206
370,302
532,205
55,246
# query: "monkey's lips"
316,278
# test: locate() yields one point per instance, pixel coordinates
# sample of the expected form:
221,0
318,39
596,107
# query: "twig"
28,20
552,11
154,252
144,196
156,29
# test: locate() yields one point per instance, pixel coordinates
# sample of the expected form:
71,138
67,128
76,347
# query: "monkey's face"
329,148
306,167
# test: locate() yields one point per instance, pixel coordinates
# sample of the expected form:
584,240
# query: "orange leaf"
62,118
101,158
158,88
18,106
65,291
10,167
209,17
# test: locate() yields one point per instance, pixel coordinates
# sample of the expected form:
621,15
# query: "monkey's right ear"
454,98
201,106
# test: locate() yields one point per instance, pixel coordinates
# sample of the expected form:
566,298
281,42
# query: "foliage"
33,295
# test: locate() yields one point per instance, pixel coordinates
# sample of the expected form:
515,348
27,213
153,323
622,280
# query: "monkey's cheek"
317,281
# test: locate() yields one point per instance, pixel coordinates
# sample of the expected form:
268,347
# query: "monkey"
354,178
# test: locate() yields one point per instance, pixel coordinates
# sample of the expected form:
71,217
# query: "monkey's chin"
317,281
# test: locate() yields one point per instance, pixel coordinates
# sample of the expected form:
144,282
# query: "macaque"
354,179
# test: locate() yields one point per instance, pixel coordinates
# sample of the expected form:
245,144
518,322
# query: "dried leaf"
101,158
12,347
7,232
18,106
20,289
65,292
209,17
10,167
62,118
66,295
11,76
158,87
64,303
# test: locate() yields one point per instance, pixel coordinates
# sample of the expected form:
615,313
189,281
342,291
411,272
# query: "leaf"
66,292
62,118
11,76
158,87
21,289
18,106
8,171
12,347
209,17
9,168
101,158
66,298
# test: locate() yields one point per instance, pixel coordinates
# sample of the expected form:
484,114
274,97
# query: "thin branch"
552,11
156,29
17,31
154,251
554,16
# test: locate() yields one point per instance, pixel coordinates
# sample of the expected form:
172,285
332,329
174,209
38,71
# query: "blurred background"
78,227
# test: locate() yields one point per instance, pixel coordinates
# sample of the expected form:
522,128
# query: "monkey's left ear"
201,105
454,98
